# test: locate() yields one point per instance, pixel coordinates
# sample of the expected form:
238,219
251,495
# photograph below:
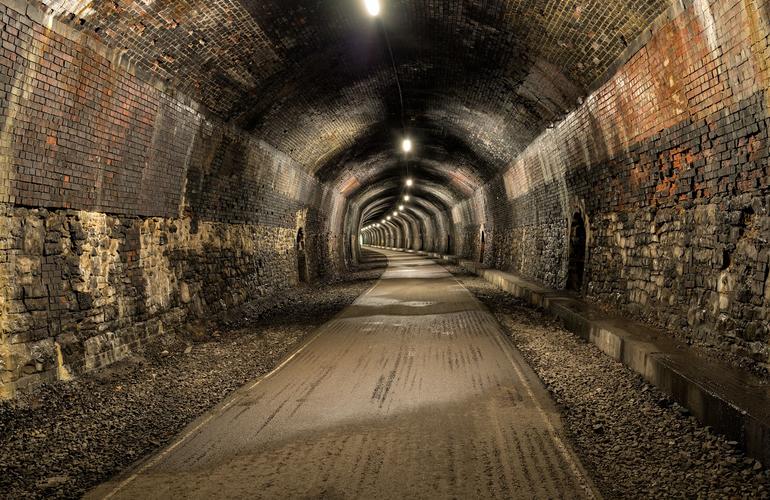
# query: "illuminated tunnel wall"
170,184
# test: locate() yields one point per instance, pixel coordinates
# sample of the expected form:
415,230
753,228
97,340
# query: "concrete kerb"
732,402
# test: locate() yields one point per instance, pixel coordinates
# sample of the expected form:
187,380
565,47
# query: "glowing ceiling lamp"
406,197
372,7
409,182
406,145
401,207
388,217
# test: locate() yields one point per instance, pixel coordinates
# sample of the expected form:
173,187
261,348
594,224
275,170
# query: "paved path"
411,392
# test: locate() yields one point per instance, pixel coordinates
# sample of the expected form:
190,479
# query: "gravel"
635,441
67,437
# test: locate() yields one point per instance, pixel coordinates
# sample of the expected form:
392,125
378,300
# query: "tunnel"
384,249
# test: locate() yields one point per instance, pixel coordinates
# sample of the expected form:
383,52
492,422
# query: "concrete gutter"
728,399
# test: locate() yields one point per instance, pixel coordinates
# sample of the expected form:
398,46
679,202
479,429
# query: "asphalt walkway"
411,392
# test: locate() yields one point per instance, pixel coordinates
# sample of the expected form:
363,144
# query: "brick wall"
126,210
76,132
668,161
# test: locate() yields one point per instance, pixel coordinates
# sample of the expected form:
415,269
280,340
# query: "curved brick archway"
154,168
194,192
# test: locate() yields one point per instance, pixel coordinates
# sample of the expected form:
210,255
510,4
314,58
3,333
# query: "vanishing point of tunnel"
384,249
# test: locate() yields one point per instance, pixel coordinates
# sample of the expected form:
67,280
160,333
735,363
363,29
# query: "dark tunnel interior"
250,200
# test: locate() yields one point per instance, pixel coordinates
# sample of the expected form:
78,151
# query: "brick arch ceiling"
429,198
480,78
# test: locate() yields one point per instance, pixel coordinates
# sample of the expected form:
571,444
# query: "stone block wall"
86,288
127,210
668,162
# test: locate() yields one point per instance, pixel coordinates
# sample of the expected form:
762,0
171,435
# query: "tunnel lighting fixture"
409,182
395,214
383,221
388,217
406,145
401,207
372,7
406,197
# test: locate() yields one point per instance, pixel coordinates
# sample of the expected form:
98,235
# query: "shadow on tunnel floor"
371,260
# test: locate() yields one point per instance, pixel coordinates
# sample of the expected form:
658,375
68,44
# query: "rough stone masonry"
125,212
667,164
159,161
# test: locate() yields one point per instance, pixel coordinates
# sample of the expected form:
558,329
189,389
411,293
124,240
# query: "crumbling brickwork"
126,211
668,162
77,133
88,287
165,161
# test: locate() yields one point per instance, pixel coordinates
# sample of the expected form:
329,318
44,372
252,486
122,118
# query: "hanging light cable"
407,143
373,7
395,74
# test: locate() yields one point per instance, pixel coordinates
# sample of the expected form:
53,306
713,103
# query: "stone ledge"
729,400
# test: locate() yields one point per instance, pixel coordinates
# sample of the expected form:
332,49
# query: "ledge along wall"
667,161
126,210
